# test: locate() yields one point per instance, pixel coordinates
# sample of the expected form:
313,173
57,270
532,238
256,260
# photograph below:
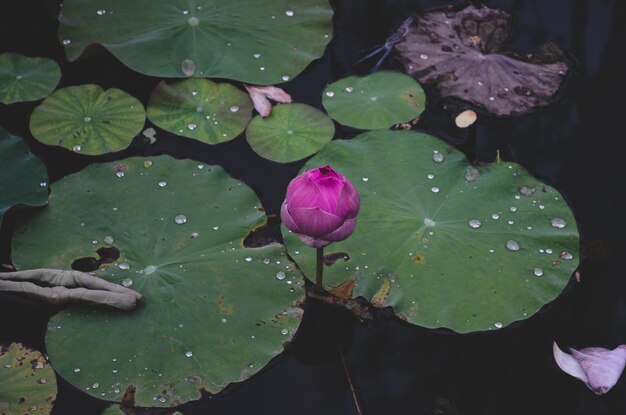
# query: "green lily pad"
24,178
212,312
379,100
264,42
88,120
200,109
291,132
27,382
26,79
443,243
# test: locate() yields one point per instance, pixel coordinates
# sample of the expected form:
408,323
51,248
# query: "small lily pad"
212,311
291,132
24,78
442,242
200,109
379,100
27,382
24,178
88,120
257,42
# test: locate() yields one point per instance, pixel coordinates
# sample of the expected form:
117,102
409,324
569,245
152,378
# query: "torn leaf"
261,96
597,367
458,52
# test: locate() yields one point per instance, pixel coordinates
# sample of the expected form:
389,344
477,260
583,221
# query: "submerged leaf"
26,79
24,178
457,51
597,367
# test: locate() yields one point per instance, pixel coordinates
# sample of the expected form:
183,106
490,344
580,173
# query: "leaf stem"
319,267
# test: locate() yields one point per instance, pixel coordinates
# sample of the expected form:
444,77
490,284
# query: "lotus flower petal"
287,219
342,232
348,202
262,94
598,367
314,221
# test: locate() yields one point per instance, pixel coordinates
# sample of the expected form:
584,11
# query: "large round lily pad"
212,312
200,109
444,243
24,178
259,42
379,100
27,382
26,79
88,120
291,132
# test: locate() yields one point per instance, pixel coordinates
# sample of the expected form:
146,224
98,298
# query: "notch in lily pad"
378,100
24,78
201,109
88,120
290,133
471,248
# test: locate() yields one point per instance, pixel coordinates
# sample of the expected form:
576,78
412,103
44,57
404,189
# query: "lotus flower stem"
319,269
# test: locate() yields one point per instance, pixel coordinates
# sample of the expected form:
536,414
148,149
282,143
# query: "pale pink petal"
342,232
314,221
260,101
598,367
262,94
603,367
568,364
276,94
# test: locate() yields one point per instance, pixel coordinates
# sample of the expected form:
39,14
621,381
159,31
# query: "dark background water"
573,145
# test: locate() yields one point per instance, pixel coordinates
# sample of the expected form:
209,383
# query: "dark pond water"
394,368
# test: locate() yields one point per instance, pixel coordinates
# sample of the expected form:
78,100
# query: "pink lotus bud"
320,207
598,367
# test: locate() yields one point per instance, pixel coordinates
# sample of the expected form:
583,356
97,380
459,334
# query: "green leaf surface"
88,120
200,109
291,132
26,79
378,100
23,177
259,42
443,243
27,382
212,312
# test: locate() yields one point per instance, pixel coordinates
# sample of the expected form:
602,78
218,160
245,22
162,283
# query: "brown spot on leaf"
344,290
380,298
419,258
